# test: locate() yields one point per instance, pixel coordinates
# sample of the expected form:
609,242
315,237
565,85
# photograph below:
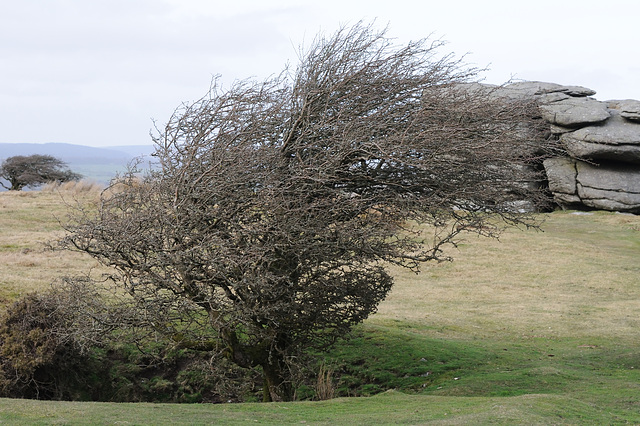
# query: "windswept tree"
277,206
34,170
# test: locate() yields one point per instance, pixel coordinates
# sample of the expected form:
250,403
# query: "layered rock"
572,112
617,139
629,109
540,88
602,140
610,186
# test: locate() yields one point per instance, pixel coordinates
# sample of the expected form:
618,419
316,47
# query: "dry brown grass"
579,278
28,222
76,187
325,388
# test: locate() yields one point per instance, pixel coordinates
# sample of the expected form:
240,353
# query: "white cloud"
95,72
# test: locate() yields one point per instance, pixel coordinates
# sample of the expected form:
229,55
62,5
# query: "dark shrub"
36,359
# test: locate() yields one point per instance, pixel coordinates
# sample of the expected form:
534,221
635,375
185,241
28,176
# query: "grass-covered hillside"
537,328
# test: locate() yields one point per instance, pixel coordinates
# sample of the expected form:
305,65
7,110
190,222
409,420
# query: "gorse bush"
49,351
36,361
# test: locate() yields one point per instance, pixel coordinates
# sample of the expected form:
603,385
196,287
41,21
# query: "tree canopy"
278,205
33,170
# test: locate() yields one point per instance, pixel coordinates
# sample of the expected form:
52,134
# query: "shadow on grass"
379,358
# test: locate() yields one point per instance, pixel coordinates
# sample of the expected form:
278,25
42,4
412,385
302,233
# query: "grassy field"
28,222
537,328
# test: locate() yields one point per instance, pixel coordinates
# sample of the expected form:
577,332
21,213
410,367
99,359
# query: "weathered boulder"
629,108
561,174
539,88
616,139
607,186
574,112
601,139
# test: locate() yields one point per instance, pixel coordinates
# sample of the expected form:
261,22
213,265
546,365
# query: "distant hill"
97,164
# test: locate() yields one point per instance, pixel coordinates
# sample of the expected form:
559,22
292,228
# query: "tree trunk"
276,387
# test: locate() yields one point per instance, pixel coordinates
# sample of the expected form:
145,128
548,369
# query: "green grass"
538,328
391,407
604,375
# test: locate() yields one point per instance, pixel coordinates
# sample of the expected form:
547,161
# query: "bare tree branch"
278,205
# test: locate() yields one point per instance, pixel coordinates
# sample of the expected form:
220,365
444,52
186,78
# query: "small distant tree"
276,208
33,170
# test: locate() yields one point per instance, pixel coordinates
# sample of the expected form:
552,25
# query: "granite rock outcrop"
602,142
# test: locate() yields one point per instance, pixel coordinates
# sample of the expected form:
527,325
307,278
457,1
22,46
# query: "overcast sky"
96,72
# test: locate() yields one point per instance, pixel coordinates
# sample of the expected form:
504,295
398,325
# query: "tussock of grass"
76,186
